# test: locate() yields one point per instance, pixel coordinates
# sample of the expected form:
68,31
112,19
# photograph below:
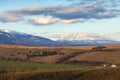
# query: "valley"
59,39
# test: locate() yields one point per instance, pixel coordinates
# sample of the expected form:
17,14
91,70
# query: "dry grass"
46,59
113,46
11,51
101,74
44,47
100,56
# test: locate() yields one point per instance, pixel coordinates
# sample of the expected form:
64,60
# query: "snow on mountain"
115,36
83,39
79,36
12,32
18,38
6,30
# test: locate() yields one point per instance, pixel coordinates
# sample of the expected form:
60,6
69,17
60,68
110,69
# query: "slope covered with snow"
18,38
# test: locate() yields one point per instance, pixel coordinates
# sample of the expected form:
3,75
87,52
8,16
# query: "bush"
101,74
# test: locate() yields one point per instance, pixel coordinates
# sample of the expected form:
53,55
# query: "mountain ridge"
84,39
18,38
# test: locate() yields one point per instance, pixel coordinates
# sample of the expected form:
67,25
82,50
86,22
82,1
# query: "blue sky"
52,17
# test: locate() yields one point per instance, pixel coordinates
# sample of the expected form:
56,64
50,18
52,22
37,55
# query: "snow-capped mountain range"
18,38
79,36
84,39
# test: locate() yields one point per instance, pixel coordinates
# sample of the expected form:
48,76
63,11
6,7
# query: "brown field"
61,54
110,57
42,47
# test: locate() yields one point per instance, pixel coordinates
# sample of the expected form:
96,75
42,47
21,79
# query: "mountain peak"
83,39
18,38
6,30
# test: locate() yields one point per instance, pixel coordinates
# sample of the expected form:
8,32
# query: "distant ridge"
18,38
84,39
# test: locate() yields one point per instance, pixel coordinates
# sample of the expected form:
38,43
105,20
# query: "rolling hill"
80,55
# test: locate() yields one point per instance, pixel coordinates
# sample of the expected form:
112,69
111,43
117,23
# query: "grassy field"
14,64
99,74
26,66
50,47
99,56
19,53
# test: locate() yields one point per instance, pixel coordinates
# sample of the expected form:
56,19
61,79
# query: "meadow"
59,63
15,66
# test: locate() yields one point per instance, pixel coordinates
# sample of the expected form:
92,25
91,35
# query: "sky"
47,18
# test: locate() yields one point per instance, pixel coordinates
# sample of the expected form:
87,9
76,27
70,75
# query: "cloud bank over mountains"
82,11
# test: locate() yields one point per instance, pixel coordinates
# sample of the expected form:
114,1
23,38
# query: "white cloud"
10,17
91,9
42,20
72,21
51,20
